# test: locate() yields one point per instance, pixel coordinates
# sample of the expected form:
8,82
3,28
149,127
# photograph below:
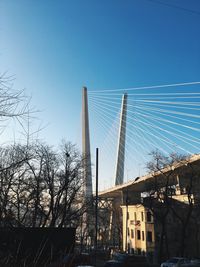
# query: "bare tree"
159,199
171,199
44,188
14,104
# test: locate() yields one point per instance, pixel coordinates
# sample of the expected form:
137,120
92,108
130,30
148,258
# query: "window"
143,235
135,216
149,217
149,236
142,216
128,231
132,233
138,235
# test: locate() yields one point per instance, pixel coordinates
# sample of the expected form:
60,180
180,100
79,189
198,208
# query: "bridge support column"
87,172
119,176
88,216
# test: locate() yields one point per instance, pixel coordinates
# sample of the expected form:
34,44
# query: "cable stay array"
163,118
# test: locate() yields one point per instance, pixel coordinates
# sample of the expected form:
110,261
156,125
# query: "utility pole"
96,202
127,214
127,218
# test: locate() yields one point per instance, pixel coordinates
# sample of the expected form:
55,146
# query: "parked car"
117,260
175,262
113,263
195,262
192,263
127,260
73,260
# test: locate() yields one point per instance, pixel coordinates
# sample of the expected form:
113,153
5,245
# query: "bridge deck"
141,184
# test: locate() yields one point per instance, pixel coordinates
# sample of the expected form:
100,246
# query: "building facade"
138,230
161,211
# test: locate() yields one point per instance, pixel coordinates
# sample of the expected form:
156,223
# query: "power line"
174,6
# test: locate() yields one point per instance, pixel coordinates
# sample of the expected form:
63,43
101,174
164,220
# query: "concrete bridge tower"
119,175
87,172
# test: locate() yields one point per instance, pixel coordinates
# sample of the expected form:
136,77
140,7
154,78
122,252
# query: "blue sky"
55,47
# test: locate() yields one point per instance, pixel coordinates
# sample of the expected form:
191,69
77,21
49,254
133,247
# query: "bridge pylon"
87,224
87,171
119,174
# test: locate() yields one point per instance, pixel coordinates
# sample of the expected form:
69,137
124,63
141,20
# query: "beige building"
172,194
138,229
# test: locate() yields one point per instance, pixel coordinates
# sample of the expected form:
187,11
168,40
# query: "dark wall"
37,246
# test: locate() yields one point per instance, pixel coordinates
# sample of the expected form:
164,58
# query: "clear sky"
55,47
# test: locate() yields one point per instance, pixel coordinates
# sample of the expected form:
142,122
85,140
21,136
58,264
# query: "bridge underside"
182,169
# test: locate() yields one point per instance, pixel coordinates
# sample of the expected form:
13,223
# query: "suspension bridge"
127,125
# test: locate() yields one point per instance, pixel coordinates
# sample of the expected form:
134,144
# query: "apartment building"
138,229
172,231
